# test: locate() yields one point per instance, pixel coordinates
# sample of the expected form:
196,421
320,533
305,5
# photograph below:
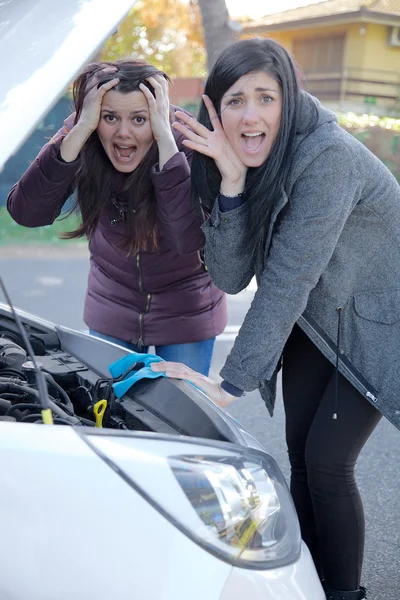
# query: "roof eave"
363,15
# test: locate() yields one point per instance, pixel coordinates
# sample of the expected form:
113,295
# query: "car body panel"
80,531
295,581
43,44
72,528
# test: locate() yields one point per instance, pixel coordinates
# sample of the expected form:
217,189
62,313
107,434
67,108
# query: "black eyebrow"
259,89
135,112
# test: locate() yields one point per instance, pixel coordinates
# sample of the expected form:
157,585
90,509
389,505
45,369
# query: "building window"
319,54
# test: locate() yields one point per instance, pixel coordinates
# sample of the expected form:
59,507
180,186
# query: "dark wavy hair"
97,178
264,184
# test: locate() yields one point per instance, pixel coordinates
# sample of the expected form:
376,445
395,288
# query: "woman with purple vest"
147,283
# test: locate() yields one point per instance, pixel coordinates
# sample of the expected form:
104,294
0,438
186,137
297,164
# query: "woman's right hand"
214,144
89,118
91,109
211,388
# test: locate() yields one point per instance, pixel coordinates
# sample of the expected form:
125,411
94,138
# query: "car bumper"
298,581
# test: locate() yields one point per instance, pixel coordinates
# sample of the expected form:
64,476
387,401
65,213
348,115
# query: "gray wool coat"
333,241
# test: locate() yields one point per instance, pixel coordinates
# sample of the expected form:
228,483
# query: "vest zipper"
140,343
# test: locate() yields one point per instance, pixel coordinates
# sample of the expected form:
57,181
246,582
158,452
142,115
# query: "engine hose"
61,406
87,392
72,420
13,397
9,372
23,387
37,418
21,407
60,390
31,418
56,421
88,422
60,421
4,406
12,386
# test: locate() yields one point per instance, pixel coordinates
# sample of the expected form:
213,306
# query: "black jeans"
322,453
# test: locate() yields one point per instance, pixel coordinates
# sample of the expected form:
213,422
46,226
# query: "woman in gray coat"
305,208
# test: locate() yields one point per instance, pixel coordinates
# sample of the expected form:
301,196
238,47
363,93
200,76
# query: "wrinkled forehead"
253,81
124,103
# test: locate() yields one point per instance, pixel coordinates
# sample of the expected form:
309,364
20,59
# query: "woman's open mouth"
252,141
124,153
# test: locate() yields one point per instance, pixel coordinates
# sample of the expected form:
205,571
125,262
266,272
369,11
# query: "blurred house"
186,90
348,51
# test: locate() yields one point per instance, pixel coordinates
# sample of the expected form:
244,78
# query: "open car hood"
43,45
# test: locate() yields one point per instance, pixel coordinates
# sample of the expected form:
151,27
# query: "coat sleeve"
228,261
301,248
38,197
175,208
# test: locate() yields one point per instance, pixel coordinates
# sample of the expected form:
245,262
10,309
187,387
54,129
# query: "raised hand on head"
94,94
88,117
158,106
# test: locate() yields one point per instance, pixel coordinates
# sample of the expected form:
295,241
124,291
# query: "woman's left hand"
214,144
211,388
158,107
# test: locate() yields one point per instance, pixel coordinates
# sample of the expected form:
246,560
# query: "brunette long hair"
97,179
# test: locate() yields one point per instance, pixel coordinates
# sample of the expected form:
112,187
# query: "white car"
168,497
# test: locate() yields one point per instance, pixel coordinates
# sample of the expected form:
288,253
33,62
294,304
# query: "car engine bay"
73,398
80,388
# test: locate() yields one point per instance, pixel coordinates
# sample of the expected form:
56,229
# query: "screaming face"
251,116
124,129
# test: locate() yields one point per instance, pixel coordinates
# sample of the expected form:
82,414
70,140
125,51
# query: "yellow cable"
47,416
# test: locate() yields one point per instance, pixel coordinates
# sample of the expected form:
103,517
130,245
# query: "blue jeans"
197,355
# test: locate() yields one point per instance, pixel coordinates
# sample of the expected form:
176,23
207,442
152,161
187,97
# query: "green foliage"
166,33
353,121
11,233
381,135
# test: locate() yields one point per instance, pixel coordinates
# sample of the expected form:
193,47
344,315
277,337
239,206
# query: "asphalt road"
52,284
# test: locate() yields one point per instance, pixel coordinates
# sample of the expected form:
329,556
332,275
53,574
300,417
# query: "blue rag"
121,365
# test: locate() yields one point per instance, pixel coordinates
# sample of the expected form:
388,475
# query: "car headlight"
232,501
